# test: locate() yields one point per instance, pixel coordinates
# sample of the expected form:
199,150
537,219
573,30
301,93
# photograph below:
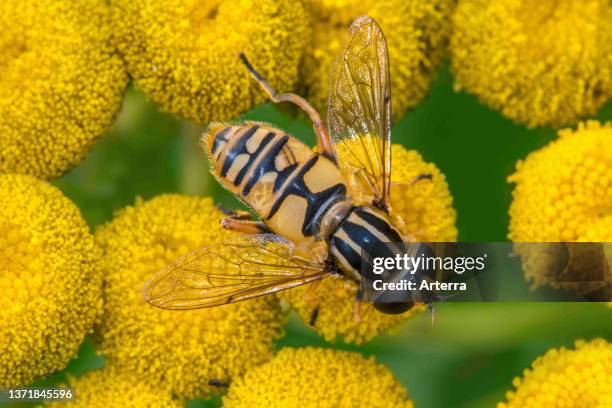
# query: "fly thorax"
334,216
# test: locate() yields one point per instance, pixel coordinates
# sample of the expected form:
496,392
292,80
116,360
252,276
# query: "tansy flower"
563,193
312,377
178,350
109,387
548,63
49,280
184,54
61,83
426,209
416,32
566,378
564,190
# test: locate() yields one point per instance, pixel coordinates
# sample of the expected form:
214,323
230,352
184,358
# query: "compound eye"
393,307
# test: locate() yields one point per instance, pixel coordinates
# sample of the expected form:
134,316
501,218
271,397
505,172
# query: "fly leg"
422,176
217,383
416,179
245,226
314,316
237,214
324,142
242,222
310,297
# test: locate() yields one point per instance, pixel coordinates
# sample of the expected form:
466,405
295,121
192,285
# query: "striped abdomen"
289,186
362,226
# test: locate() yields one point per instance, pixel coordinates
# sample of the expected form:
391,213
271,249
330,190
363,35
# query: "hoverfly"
317,209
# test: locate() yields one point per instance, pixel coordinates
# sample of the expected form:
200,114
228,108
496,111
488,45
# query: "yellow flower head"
417,34
49,280
564,190
312,377
109,387
61,83
184,54
426,209
563,193
540,63
566,378
178,350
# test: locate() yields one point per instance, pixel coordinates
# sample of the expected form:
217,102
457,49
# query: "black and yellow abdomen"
289,186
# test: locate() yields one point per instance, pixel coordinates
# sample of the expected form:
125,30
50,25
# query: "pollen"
417,34
109,387
314,377
49,279
184,54
61,85
543,64
179,351
424,209
579,377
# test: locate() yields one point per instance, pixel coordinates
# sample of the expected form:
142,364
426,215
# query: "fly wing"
243,268
359,112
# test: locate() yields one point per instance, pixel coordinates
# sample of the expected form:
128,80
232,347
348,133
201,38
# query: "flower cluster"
184,54
566,378
425,208
311,377
109,387
416,31
61,84
182,351
548,63
50,281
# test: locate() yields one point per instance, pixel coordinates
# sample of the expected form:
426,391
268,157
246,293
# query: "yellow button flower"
184,54
566,378
416,31
178,350
542,63
312,377
564,190
49,280
426,208
563,193
109,387
61,83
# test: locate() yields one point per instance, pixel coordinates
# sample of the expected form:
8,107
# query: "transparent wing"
359,112
243,268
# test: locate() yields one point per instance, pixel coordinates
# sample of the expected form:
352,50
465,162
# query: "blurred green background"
474,350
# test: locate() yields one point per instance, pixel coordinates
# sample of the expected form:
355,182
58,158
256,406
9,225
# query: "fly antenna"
264,84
